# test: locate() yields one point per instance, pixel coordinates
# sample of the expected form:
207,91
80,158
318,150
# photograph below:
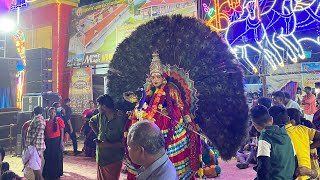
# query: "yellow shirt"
301,137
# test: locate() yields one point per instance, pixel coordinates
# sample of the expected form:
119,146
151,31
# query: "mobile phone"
96,140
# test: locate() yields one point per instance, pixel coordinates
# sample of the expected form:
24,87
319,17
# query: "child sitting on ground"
210,159
247,154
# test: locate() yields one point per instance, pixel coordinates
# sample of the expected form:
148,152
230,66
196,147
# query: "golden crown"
155,66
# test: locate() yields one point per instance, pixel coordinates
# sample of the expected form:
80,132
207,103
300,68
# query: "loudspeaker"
38,70
34,75
39,53
29,101
39,86
8,116
38,64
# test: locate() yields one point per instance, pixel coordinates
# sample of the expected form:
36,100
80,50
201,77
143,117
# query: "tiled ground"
84,168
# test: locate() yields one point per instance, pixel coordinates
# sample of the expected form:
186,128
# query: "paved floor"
84,168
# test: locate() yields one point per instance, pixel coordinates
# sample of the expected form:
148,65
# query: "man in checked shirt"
35,137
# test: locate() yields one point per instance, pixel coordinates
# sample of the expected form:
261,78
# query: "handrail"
9,112
9,138
7,126
6,139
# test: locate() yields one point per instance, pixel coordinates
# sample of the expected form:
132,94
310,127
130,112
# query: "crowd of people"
151,140
43,142
288,136
158,139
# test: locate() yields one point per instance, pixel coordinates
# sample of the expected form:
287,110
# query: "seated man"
247,154
146,148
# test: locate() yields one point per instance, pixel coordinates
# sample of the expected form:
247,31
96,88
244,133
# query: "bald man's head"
147,135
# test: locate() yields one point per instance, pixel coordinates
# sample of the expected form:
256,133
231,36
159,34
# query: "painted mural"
97,29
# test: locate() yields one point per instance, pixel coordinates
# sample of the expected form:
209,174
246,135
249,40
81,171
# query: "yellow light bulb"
294,60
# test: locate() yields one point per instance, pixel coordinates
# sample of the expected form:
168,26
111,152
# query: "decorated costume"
221,111
164,106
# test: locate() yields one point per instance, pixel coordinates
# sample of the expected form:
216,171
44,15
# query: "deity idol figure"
162,104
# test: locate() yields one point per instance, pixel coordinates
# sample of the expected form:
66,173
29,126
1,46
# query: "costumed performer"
162,105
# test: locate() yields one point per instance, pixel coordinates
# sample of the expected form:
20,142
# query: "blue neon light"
18,4
273,28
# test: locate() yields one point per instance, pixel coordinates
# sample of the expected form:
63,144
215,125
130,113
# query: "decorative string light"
223,17
208,10
256,34
58,44
19,39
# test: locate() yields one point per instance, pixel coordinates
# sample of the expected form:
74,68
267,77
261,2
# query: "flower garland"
151,110
157,101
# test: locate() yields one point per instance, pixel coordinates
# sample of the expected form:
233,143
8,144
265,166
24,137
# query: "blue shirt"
161,169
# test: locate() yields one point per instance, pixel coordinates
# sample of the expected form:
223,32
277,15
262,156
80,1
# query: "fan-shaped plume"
189,44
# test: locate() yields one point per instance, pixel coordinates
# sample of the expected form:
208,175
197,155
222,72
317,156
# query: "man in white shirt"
299,96
278,98
289,103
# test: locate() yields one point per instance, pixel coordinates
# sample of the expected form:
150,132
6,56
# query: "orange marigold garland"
153,104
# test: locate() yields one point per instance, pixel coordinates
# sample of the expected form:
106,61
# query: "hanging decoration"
19,40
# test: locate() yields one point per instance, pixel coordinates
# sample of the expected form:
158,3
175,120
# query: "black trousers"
72,137
53,166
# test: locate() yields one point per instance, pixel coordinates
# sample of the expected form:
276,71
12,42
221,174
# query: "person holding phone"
108,125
